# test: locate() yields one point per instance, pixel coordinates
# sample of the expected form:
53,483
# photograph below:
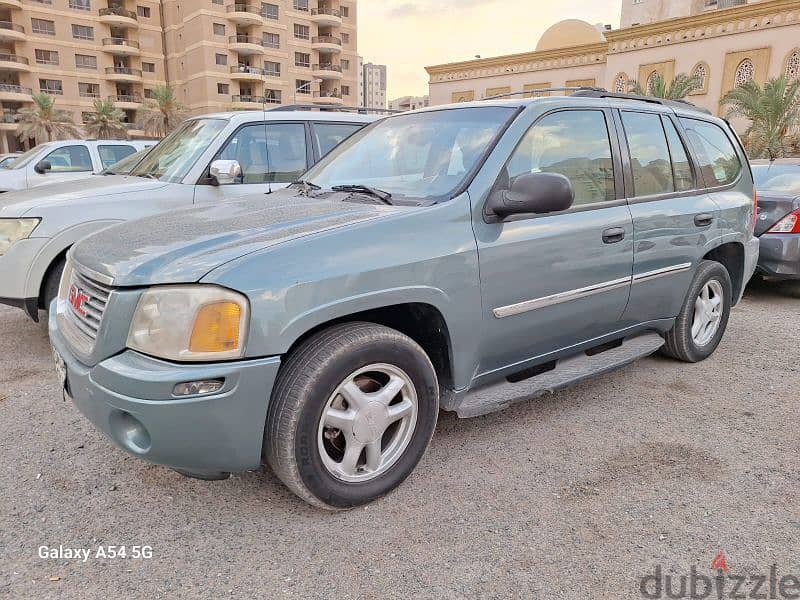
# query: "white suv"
211,158
66,160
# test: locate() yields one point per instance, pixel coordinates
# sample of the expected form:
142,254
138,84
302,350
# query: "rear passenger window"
70,159
110,155
330,135
573,143
650,159
681,169
715,152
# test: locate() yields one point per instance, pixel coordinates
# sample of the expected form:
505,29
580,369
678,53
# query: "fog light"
198,388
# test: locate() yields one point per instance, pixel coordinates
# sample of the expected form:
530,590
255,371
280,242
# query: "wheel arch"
731,255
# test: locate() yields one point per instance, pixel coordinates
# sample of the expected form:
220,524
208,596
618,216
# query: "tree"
44,122
163,113
774,114
106,122
680,87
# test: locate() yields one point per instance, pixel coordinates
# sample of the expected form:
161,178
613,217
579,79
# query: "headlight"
190,323
14,230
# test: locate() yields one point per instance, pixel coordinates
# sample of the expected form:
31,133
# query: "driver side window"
573,143
69,159
275,154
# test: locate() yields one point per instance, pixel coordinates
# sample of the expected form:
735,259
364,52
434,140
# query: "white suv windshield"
417,155
24,159
176,154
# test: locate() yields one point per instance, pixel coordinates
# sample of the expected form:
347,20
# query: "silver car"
208,159
778,225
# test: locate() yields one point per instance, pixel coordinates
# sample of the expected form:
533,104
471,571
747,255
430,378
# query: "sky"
408,35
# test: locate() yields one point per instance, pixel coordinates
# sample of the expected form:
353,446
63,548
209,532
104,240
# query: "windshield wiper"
384,197
147,176
307,185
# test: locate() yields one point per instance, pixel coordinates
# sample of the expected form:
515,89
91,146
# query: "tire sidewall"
316,477
710,272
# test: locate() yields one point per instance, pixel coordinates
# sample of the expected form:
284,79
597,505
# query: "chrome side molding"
673,270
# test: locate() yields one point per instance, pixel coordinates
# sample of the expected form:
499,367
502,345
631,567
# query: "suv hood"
183,246
18,204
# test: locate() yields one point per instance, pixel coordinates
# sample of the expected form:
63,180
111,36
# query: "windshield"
781,179
418,155
176,154
27,157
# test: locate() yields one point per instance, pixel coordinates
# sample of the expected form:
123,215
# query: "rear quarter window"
719,162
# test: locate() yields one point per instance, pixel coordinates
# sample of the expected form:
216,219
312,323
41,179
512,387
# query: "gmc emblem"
77,299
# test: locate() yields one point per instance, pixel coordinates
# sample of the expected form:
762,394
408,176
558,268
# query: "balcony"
11,32
12,62
15,93
330,97
129,101
123,46
245,73
326,43
10,3
118,16
245,102
327,71
245,14
246,45
123,74
329,17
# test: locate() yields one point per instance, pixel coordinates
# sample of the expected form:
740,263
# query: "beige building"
217,54
725,46
374,86
406,103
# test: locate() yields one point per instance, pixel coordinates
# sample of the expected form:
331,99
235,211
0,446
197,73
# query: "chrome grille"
86,313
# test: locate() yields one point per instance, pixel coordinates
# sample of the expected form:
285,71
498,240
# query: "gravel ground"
576,495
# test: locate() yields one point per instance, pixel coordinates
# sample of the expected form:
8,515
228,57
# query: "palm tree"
680,87
106,122
774,114
44,122
163,113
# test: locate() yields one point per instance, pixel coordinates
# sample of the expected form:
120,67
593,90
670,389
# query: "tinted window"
715,152
110,155
69,159
650,161
573,143
681,168
330,135
282,159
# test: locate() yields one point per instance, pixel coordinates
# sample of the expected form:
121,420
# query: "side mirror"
42,167
225,172
534,193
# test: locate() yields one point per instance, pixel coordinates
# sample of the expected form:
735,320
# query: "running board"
565,372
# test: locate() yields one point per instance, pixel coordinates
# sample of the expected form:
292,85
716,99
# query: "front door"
552,281
66,163
271,157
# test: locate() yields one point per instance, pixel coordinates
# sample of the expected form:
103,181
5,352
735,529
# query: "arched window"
621,84
793,65
651,81
744,73
701,72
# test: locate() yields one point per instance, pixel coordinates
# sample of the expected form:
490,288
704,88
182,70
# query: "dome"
571,32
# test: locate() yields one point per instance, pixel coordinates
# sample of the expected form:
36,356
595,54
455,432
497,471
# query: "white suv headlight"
14,230
190,323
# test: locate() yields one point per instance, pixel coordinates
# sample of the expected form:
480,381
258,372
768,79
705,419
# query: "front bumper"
129,398
15,265
780,255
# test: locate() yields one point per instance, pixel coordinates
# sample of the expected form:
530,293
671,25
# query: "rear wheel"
702,322
352,413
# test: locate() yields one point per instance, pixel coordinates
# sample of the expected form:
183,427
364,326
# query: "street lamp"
312,82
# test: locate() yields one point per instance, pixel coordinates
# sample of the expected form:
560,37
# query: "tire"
682,343
323,464
52,282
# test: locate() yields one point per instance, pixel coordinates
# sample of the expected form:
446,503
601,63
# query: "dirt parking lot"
576,495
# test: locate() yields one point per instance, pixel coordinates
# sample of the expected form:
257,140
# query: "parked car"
778,225
462,257
207,159
7,159
57,162
127,164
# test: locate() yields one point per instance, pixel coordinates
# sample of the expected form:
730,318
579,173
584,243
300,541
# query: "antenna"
266,129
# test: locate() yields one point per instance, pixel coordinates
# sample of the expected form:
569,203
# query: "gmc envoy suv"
461,258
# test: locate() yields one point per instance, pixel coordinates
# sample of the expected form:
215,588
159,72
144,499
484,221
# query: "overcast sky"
408,35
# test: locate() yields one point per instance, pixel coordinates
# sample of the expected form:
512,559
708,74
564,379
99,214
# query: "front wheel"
702,322
352,413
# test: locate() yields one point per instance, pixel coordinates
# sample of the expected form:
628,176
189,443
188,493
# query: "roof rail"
601,93
539,91
323,108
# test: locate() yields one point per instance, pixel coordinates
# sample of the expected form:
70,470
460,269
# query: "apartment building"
406,103
216,54
642,12
375,86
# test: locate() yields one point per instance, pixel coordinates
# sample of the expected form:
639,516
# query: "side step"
565,372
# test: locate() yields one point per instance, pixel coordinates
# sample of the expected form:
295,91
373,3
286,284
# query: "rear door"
271,156
555,280
110,154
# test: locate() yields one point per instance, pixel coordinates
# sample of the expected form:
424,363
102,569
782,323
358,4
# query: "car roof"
249,116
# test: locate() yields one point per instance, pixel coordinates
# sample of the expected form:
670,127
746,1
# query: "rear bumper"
780,255
129,398
751,257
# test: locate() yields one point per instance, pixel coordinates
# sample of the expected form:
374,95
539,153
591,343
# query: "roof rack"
540,91
322,108
602,93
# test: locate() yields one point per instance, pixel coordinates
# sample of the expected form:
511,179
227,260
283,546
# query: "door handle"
613,235
704,220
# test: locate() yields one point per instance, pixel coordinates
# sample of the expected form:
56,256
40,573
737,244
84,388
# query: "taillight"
755,208
788,224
